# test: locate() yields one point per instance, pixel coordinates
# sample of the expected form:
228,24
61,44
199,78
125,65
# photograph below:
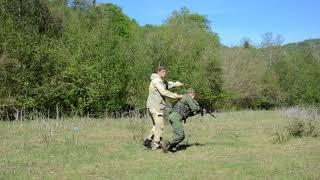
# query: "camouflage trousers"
177,128
158,127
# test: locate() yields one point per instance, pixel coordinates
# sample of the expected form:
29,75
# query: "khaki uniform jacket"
158,91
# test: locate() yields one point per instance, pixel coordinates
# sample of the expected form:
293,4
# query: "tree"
193,53
82,4
245,43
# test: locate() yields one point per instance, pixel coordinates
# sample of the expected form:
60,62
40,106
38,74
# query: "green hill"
304,43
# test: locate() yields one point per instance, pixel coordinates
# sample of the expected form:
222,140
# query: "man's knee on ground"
181,136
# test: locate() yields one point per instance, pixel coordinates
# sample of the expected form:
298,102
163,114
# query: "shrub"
303,121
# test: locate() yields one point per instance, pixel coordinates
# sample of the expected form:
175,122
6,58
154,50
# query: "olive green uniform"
184,108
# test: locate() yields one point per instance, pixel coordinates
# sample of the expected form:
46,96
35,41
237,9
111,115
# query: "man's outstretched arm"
163,91
174,84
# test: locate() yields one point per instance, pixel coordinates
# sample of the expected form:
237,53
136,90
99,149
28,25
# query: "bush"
303,121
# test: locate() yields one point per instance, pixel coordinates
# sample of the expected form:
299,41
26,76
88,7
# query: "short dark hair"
160,68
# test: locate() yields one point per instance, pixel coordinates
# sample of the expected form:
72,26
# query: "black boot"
172,148
147,143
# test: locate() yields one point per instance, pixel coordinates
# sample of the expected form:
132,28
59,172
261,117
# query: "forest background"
82,58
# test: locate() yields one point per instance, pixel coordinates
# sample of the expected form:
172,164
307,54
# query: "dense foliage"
272,75
86,58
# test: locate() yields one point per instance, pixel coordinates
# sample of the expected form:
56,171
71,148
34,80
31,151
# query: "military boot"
147,143
172,148
165,145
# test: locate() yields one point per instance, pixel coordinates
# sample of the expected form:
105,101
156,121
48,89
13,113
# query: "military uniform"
183,109
156,105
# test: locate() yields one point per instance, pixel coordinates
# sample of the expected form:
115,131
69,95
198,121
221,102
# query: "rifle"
205,109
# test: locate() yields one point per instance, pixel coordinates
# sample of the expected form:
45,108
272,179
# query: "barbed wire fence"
10,113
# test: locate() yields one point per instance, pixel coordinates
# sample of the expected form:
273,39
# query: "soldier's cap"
190,90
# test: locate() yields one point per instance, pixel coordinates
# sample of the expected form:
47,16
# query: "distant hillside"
304,43
300,45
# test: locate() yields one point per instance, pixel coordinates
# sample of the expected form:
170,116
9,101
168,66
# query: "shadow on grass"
183,147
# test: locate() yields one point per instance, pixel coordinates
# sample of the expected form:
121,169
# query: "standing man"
156,105
183,109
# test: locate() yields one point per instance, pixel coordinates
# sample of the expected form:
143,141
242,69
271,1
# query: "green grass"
236,145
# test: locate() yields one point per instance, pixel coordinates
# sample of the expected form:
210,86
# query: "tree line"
86,58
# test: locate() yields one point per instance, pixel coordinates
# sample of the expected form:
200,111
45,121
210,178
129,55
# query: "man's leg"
178,132
151,135
147,142
157,129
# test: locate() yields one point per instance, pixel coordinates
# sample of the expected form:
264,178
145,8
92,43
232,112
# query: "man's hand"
177,84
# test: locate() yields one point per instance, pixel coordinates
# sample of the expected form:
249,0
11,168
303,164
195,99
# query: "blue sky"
233,20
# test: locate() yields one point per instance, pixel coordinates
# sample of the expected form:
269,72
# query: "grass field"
236,145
